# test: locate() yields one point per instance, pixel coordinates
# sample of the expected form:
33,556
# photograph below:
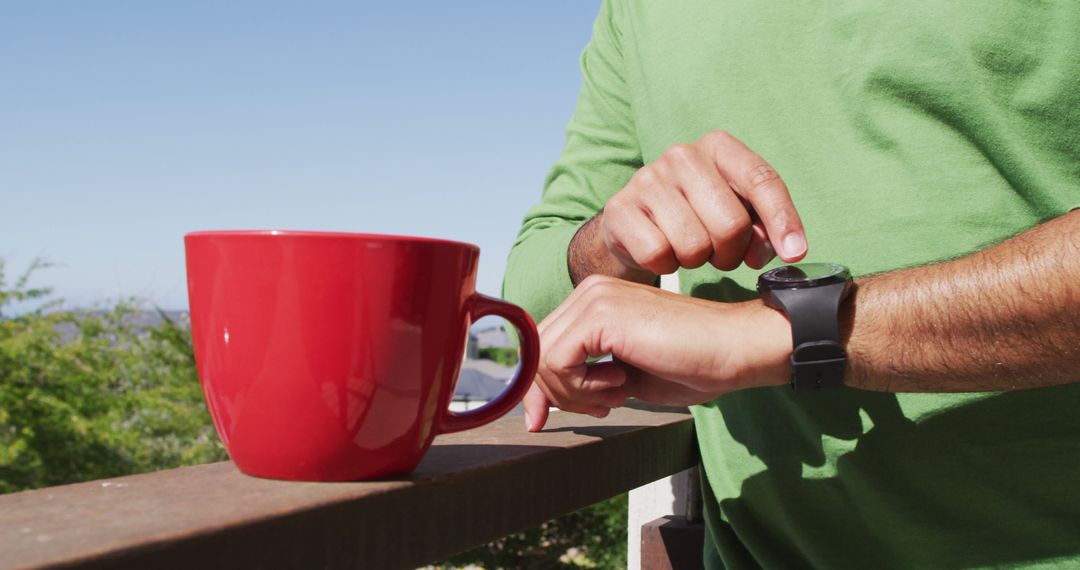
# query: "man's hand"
666,348
712,201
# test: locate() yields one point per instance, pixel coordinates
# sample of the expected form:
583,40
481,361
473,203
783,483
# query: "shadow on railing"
472,487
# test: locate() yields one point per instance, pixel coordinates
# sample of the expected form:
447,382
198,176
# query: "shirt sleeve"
600,155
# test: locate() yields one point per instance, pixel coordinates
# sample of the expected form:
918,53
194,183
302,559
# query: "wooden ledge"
472,487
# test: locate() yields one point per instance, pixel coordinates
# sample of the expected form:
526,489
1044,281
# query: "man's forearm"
589,255
1005,318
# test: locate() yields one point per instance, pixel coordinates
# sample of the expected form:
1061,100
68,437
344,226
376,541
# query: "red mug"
333,356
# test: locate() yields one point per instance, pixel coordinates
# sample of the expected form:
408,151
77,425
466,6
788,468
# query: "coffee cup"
333,356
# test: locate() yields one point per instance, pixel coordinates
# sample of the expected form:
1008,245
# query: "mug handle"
519,385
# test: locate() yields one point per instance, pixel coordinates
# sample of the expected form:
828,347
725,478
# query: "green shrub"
89,395
598,532
504,356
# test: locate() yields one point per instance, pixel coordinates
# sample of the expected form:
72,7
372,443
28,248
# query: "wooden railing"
471,487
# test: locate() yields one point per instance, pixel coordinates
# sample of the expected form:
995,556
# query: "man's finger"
566,355
560,393
722,213
552,328
558,385
603,377
536,408
567,380
760,252
690,242
653,389
759,184
631,232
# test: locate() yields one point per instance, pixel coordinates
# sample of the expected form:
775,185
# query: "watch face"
805,275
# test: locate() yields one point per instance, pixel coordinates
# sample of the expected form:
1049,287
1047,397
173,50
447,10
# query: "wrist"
767,346
589,254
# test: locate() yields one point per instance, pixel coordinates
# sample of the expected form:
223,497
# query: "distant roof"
475,385
493,337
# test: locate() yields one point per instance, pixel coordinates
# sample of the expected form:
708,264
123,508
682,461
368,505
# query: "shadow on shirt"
975,480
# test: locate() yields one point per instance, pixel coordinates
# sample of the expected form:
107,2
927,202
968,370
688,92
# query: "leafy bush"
597,533
89,395
505,356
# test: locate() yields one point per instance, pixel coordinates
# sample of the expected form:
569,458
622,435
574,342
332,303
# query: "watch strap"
818,359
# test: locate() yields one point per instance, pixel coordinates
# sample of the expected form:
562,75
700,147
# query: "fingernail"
528,422
794,245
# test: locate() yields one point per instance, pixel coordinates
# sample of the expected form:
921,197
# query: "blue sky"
124,125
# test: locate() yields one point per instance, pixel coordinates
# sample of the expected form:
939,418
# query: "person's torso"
908,133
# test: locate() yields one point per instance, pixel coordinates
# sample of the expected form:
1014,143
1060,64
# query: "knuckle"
663,169
697,249
600,308
731,236
572,385
678,152
617,211
646,176
726,261
732,228
589,387
593,281
559,401
655,256
662,267
605,288
596,286
614,205
761,176
698,242
585,384
694,262
714,138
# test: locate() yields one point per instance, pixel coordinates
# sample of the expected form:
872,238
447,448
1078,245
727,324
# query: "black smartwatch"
810,295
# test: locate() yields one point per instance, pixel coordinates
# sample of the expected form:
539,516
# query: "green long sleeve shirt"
909,132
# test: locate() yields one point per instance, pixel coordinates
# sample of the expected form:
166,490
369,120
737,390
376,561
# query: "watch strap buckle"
818,365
